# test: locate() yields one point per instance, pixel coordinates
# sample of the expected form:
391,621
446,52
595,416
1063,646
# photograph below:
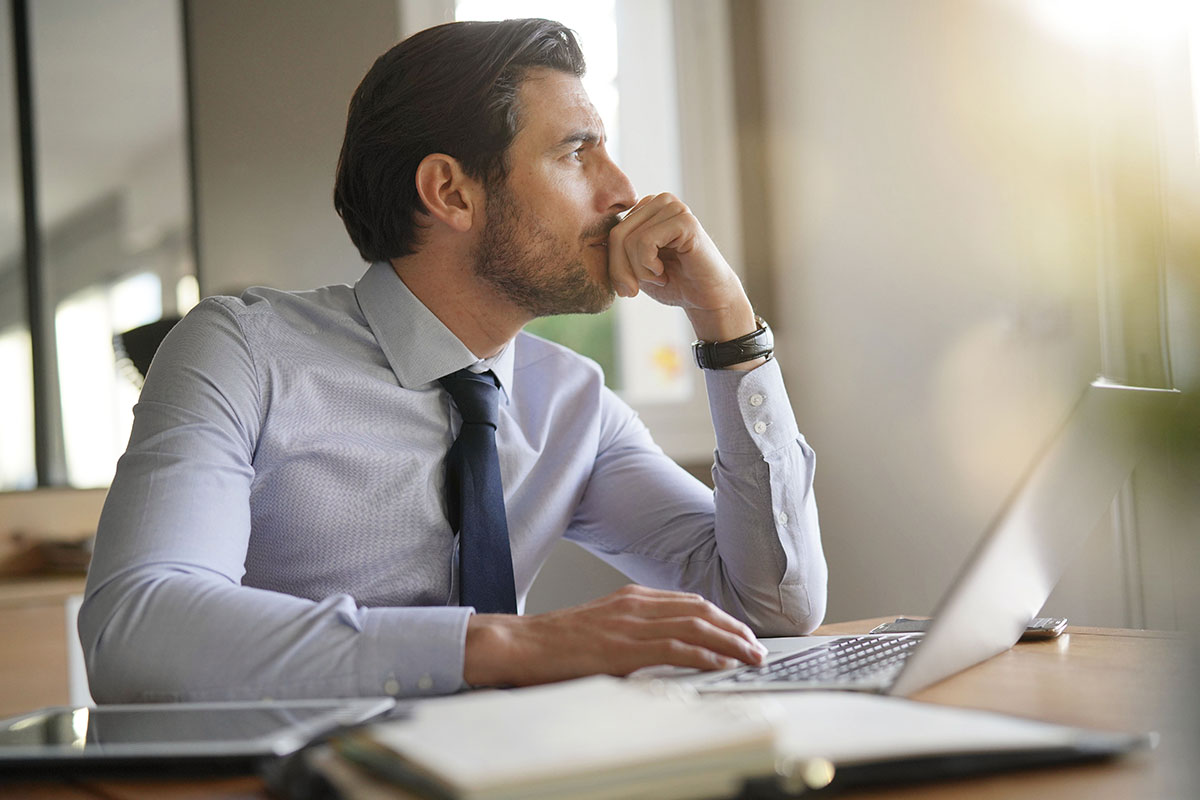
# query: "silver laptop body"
1012,571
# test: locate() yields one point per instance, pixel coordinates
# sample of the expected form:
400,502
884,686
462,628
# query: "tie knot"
476,394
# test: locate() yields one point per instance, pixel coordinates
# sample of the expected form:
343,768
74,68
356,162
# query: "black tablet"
195,738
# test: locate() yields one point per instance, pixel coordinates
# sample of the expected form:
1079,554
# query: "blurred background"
954,213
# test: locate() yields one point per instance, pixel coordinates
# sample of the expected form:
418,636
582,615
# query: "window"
17,464
97,401
17,468
94,171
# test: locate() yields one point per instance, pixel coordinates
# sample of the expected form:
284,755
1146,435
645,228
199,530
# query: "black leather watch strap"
718,355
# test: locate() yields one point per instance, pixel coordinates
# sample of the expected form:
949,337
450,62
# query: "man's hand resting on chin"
631,628
661,248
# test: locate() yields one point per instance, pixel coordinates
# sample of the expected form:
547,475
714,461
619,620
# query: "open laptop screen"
1027,548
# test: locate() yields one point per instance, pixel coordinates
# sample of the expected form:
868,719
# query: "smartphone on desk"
1039,628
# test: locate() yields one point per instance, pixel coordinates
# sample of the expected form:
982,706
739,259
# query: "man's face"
544,245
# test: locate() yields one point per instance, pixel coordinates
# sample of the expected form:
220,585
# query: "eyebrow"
584,136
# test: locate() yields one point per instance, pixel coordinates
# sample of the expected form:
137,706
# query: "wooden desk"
1094,677
1106,678
33,642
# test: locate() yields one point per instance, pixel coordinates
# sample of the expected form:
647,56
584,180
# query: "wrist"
724,324
486,657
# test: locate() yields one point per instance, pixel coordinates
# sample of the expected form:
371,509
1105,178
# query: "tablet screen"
81,728
182,730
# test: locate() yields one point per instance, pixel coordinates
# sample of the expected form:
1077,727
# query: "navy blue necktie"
475,496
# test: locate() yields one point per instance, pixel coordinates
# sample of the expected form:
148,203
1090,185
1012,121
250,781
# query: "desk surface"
1106,678
1093,677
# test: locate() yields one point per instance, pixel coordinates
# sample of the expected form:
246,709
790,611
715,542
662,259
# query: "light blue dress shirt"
277,525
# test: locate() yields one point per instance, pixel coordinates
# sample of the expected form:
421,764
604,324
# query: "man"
340,492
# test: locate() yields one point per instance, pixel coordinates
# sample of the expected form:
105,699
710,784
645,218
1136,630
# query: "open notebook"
602,737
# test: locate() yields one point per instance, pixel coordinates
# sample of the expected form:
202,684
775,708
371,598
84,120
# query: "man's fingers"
643,207
665,229
638,206
697,632
661,247
689,618
636,245
633,255
646,215
657,603
617,634
680,654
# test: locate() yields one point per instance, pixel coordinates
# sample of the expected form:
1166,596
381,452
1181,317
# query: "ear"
449,195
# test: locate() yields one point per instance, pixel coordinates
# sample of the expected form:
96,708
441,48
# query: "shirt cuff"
414,652
751,411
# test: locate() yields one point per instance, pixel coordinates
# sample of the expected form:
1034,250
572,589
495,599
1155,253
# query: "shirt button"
760,427
391,686
756,400
783,518
425,683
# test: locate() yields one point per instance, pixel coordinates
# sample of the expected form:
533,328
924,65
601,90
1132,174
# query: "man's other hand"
631,628
661,248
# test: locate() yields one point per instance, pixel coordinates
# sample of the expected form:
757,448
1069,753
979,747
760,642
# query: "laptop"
1008,577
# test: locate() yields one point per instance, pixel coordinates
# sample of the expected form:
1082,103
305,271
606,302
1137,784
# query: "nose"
619,192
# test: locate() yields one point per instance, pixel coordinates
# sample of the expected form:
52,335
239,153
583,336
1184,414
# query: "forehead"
552,104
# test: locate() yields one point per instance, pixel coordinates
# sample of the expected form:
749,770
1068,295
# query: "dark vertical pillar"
34,285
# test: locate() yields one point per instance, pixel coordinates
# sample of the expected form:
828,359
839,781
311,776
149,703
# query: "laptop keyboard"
847,660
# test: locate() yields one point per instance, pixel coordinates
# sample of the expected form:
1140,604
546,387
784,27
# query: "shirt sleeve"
165,616
753,545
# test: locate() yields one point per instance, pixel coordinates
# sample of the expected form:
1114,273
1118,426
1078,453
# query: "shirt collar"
418,347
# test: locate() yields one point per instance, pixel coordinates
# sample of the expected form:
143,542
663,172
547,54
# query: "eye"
577,153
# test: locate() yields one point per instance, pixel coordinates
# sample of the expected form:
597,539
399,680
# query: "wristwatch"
718,355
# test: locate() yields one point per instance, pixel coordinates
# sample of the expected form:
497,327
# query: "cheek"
569,187
559,198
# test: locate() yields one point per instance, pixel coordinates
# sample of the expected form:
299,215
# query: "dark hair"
448,89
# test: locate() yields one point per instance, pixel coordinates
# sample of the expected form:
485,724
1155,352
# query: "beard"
519,257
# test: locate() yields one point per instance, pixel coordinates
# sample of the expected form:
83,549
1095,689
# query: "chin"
594,302
604,304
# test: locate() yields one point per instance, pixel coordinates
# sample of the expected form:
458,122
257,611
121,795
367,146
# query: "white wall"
934,192
271,83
